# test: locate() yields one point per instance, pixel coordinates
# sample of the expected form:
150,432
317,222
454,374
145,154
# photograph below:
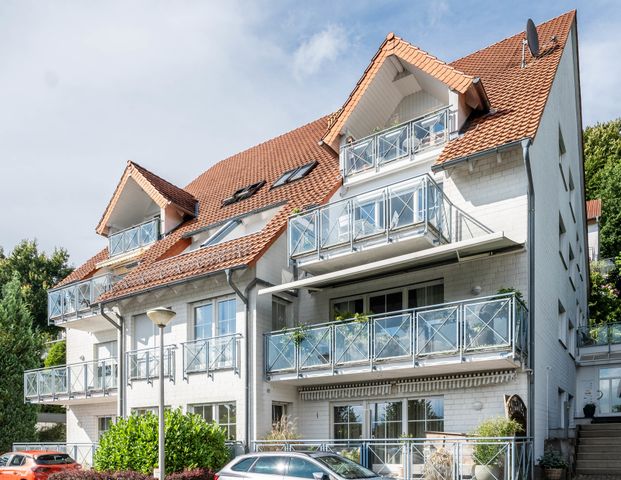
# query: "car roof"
35,452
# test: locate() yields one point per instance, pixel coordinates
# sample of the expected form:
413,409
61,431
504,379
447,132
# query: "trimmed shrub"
191,443
195,474
93,475
491,452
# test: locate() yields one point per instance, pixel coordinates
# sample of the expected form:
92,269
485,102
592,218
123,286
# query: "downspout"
526,143
121,360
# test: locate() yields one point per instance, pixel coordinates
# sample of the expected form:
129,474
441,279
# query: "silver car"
294,466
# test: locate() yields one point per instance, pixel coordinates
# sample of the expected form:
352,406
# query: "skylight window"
294,174
243,193
222,232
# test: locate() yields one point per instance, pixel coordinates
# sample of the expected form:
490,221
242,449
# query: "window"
279,411
348,421
270,465
562,324
347,307
562,157
224,414
425,415
221,233
294,174
17,461
427,295
243,193
145,332
145,410
215,318
243,465
571,337
3,460
280,313
103,425
563,243
386,302
387,419
298,467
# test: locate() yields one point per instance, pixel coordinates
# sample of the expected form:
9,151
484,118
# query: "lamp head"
161,316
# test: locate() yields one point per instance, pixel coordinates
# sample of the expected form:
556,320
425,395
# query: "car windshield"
54,459
345,468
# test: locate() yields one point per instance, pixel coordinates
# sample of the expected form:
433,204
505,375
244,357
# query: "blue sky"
177,86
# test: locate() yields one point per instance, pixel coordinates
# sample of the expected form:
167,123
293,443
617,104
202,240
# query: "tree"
21,348
57,354
37,272
602,168
604,301
191,442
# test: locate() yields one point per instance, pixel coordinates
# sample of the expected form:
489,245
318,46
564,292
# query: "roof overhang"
458,251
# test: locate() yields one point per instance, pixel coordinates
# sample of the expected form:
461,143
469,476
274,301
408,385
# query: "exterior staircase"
599,451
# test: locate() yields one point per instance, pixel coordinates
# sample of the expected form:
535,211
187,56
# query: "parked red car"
34,464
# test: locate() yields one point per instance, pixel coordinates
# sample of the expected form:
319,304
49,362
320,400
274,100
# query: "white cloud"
324,46
436,11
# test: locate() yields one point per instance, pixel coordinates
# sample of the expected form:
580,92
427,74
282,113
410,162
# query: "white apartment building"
414,263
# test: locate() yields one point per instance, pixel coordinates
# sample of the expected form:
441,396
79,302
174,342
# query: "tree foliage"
37,272
605,301
191,442
57,354
21,349
602,168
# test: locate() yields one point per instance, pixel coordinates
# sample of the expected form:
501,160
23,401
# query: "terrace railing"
75,301
134,237
599,335
210,354
144,364
457,329
409,208
441,458
80,452
78,380
398,142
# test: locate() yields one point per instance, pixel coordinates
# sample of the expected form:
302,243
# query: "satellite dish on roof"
532,39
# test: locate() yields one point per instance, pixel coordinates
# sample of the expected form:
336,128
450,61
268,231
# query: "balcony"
211,354
73,383
481,333
144,364
401,218
438,456
75,301
402,142
599,343
133,238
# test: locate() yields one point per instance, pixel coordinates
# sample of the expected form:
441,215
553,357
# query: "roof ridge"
142,169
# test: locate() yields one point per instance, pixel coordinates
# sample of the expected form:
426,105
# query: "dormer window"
221,233
294,174
243,193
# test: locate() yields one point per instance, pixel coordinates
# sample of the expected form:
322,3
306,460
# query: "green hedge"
191,442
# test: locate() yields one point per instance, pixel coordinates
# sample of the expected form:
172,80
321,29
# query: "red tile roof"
517,95
267,161
594,209
84,271
161,191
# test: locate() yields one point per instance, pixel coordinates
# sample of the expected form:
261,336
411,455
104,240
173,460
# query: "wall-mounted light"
477,406
476,290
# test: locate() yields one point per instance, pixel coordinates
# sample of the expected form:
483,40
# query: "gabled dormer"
142,209
406,106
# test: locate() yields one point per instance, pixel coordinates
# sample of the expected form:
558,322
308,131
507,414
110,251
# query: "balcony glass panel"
303,233
135,237
281,352
351,342
315,347
407,207
83,296
369,212
360,156
145,364
487,324
69,296
335,224
209,354
599,335
437,331
392,336
55,302
393,144
430,131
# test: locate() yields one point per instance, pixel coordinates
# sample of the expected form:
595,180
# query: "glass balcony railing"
599,335
75,300
210,354
409,208
133,238
78,380
457,329
144,364
402,141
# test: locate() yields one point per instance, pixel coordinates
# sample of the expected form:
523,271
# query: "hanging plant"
517,293
297,334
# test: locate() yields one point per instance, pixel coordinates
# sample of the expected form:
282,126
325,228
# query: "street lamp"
161,316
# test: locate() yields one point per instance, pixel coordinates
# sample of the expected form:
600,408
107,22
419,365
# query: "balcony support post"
119,324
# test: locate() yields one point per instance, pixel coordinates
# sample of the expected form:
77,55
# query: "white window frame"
229,427
215,323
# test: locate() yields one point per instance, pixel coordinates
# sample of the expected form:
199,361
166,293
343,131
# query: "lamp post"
161,316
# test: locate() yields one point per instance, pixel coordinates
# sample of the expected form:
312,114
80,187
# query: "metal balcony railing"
210,354
77,380
401,141
599,335
456,329
450,457
144,364
80,452
410,208
134,237
74,301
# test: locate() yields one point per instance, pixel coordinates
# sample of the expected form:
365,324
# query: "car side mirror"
321,476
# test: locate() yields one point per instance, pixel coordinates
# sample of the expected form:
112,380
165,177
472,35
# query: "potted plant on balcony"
438,465
488,454
553,464
297,334
589,409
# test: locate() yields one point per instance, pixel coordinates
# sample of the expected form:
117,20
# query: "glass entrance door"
610,388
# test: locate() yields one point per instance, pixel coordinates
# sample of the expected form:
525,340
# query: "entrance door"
386,424
610,388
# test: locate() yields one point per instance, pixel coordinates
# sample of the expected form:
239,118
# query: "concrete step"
609,465
596,454
589,441
601,426
605,432
600,472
